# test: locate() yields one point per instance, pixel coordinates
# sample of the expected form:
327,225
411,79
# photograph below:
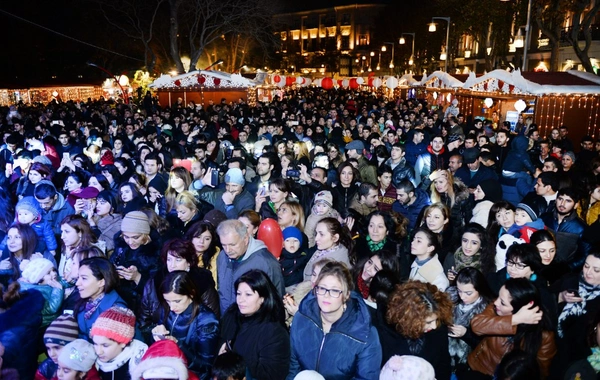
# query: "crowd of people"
417,242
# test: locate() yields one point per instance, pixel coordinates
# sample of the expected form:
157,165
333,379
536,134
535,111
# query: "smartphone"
214,178
575,292
114,123
66,155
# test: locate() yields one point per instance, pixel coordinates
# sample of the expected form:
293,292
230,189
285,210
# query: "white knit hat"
407,367
37,268
309,375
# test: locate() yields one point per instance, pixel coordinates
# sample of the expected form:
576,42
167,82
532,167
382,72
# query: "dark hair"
493,228
198,229
550,178
473,276
281,184
181,283
109,196
29,240
42,169
527,254
179,248
382,285
101,180
541,236
134,191
406,185
78,177
355,172
335,227
44,190
431,236
271,310
486,249
570,192
365,188
228,366
518,365
102,269
81,225
382,169
154,156
273,160
390,223
113,171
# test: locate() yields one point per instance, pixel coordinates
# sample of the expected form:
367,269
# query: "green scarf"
462,261
594,359
375,246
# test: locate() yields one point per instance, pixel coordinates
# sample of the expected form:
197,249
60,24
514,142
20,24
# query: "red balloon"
217,81
290,81
353,84
340,82
270,233
177,83
201,80
370,82
327,83
276,78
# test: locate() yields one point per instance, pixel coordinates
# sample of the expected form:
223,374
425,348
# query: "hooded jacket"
413,210
257,256
350,350
517,159
57,213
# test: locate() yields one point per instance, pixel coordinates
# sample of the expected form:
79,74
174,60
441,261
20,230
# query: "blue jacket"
481,175
571,247
350,350
517,159
57,213
413,211
85,325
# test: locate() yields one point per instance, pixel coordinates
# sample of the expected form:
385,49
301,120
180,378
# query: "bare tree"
550,17
584,13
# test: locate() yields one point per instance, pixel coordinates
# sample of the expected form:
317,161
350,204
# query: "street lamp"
527,35
403,41
125,94
432,28
383,48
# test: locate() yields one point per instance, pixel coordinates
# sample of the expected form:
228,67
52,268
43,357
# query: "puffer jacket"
351,349
517,159
573,249
496,331
413,211
402,171
57,213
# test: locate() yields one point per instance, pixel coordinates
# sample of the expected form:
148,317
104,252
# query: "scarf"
463,261
362,287
462,315
373,247
132,353
587,292
91,306
594,359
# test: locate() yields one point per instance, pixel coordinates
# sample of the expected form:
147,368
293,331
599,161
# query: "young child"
76,361
229,366
163,360
527,216
323,208
29,212
118,353
61,331
293,259
40,274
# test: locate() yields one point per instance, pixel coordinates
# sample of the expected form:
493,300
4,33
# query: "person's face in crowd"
129,130
252,230
517,269
185,128
567,162
501,139
243,137
285,162
47,203
474,166
563,133
441,184
103,207
591,270
397,153
126,194
435,220
403,197
196,170
203,241
53,351
481,141
14,242
234,245
505,218
263,167
118,145
454,164
541,189
544,149
281,148
176,182
478,194
72,185
437,144
291,245
535,135
93,182
377,229
122,169
502,304
106,349
88,285
25,216
184,213
134,240
431,323
153,194
370,200
63,138
549,167
470,244
285,217
547,250
469,143
323,238
177,263
248,300
346,176
332,302
385,180
555,134
565,204
234,188
276,195
316,174
372,266
69,235
420,245
151,167
467,293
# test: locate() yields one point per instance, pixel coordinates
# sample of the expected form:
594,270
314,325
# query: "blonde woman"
188,213
453,193
180,180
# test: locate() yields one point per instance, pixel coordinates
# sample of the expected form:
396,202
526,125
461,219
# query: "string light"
596,117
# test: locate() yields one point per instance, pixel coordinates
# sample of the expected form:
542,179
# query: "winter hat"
492,190
163,360
135,222
470,155
215,217
36,270
292,233
570,154
107,158
235,175
62,330
29,204
43,160
85,193
407,367
355,144
79,355
453,137
324,196
309,375
116,323
159,184
534,205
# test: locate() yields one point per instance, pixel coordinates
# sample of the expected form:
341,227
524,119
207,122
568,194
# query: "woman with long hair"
427,267
186,321
332,241
475,251
382,233
436,217
254,327
180,180
366,269
454,194
545,243
252,220
130,197
268,206
336,157
301,153
590,205
106,222
206,244
188,211
75,232
346,190
501,220
331,332
516,320
291,214
35,174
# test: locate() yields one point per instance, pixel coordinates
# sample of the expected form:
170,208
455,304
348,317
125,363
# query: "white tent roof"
191,79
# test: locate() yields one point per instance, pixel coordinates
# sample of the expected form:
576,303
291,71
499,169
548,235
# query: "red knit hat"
107,158
163,360
116,323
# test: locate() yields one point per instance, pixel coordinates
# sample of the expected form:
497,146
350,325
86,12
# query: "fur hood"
461,191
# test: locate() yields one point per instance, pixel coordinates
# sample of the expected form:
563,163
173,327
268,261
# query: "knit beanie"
215,217
79,355
292,233
36,270
29,204
453,137
107,158
159,184
163,360
534,205
234,175
309,375
116,323
135,222
324,196
407,367
62,330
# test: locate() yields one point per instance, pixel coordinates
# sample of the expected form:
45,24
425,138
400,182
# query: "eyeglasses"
334,293
516,265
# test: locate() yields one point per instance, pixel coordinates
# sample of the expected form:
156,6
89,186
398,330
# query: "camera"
293,173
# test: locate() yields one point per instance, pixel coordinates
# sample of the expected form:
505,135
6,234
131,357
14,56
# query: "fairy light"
596,116
562,107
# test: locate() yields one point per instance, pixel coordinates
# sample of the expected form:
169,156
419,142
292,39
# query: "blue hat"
355,144
30,204
292,232
235,175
